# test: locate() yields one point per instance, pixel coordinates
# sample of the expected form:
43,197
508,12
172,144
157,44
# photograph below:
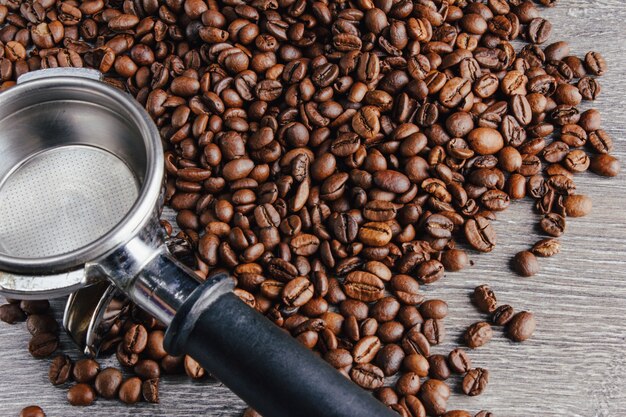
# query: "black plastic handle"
264,365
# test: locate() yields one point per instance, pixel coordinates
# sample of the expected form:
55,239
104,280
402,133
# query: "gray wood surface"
576,363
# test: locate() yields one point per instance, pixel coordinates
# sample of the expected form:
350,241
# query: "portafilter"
81,187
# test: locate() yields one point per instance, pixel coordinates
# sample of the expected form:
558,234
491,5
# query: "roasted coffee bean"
85,370
60,370
502,315
480,234
525,264
130,391
475,381
11,313
43,344
364,286
434,395
81,395
455,259
147,369
41,323
600,141
434,309
521,326
604,165
125,358
578,205
434,331
136,339
595,63
32,411
390,359
439,367
478,334
108,382
408,384
553,224
367,376
150,390
34,306
546,248
485,299
193,368
459,361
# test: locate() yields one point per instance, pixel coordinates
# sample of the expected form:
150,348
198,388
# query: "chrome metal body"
81,179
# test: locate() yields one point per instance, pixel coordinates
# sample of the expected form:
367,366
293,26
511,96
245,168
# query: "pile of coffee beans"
332,155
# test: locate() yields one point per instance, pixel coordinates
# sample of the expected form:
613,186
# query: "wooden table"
575,365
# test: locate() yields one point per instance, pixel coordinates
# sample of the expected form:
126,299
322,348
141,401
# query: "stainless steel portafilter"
81,180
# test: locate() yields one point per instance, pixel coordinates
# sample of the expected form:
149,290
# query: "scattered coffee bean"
502,315
525,264
475,381
11,313
81,395
32,411
478,334
85,370
546,248
60,370
108,382
130,390
150,390
485,299
43,345
521,326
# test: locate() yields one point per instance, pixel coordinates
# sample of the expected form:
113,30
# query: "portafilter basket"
81,179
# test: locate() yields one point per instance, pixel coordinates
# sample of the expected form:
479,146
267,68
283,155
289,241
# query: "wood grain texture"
575,365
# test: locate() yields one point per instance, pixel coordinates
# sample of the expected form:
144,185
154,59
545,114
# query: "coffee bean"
390,359
459,361
525,264
32,411
363,286
297,292
578,205
34,306
475,381
367,376
136,339
375,234
130,391
11,313
60,370
108,382
553,224
408,384
484,413
81,395
147,369
366,349
434,309
43,345
595,63
193,368
502,315
439,367
521,326
485,299
125,358
85,370
485,141
604,165
40,323
455,259
478,334
434,395
546,247
480,234
150,390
